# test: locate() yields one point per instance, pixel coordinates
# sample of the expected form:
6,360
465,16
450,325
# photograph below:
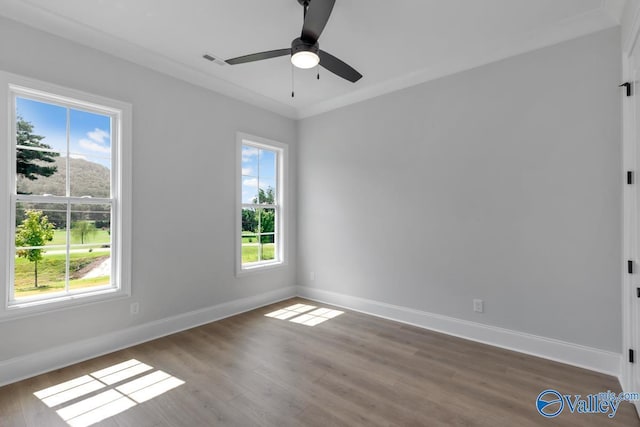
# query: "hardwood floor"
350,370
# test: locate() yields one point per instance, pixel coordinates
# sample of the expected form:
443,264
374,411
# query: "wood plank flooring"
352,370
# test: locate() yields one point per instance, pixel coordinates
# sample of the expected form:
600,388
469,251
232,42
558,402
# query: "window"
261,199
68,194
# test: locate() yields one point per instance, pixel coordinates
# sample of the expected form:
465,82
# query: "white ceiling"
394,44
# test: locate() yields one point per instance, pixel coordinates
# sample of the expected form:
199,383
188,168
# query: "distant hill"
87,179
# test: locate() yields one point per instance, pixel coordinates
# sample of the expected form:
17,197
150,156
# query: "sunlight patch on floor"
114,400
302,314
124,371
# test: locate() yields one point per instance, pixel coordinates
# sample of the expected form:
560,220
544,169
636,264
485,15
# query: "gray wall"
501,183
183,189
628,16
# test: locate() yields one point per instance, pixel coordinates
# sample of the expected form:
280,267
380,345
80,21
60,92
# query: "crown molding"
608,14
45,20
590,22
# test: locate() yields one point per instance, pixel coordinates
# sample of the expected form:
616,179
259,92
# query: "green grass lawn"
250,253
51,273
99,237
249,237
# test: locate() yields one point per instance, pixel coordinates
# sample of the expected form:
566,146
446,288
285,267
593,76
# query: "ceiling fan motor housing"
299,45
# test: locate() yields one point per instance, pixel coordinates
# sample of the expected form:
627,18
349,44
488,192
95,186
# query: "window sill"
17,310
260,268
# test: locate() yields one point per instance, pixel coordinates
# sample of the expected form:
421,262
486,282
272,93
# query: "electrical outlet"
135,308
312,276
478,305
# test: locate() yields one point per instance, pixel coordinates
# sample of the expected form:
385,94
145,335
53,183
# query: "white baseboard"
560,351
626,387
19,368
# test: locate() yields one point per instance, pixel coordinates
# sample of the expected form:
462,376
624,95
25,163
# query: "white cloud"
78,156
252,182
247,171
98,141
248,152
266,183
92,146
98,135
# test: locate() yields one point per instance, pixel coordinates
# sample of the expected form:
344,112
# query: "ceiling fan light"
305,59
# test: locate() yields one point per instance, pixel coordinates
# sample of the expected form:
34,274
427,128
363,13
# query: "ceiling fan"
305,51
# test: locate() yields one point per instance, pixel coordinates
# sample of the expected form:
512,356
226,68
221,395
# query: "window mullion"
259,232
256,206
62,199
68,257
12,259
276,232
68,194
260,213
68,163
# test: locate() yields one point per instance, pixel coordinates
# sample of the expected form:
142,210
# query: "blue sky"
258,171
89,133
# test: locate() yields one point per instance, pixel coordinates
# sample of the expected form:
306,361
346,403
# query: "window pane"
268,246
89,266
90,159
267,163
249,221
41,125
41,173
38,216
266,220
90,252
267,176
249,238
250,248
41,256
41,139
90,177
249,189
267,191
90,134
36,277
249,161
90,225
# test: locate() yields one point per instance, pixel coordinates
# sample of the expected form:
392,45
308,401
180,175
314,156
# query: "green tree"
266,217
265,197
35,230
32,163
249,220
83,229
267,224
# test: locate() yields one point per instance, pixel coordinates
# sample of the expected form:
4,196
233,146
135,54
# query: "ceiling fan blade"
316,19
338,67
259,56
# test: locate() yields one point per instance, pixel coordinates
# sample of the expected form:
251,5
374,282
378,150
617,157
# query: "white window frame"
12,86
282,198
